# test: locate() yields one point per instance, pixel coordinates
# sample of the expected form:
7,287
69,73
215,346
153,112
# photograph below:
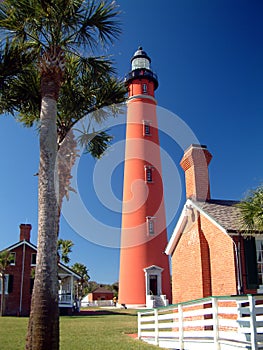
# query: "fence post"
156,326
215,323
139,325
253,323
181,326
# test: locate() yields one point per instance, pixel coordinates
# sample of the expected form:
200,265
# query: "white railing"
214,323
102,303
65,299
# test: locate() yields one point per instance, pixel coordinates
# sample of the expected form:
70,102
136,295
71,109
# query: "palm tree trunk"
43,328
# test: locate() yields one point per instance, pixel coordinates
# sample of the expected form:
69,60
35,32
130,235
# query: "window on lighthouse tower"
150,225
148,174
144,88
146,128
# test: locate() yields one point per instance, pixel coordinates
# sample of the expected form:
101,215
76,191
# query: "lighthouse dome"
141,68
140,59
141,53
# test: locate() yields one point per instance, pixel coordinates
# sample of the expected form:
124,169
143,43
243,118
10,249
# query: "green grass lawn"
98,330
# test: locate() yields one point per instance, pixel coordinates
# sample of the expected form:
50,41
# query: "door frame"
153,270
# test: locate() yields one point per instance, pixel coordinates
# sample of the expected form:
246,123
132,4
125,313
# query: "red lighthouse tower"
144,268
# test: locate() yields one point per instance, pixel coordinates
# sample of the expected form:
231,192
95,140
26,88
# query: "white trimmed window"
259,248
12,258
33,259
6,284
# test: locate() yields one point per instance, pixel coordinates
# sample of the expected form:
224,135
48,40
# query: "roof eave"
181,224
178,230
13,246
183,219
69,270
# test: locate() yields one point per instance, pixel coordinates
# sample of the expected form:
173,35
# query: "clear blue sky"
208,56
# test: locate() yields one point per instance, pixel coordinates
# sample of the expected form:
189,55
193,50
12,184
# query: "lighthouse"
144,278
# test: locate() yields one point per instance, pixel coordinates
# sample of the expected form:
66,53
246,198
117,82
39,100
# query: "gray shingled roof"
224,212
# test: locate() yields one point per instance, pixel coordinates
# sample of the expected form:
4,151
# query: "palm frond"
99,20
94,143
5,260
64,248
252,210
14,57
17,75
85,92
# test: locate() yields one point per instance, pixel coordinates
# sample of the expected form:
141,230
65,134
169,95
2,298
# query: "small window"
10,283
144,88
150,225
31,286
259,249
148,173
6,284
33,258
147,129
149,176
12,258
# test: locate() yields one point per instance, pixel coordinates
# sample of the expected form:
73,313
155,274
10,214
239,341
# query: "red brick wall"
203,262
100,296
13,298
187,281
25,230
195,164
222,259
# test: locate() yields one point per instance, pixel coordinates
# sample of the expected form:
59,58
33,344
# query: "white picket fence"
215,323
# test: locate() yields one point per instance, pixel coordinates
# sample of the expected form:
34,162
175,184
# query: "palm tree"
5,259
81,270
252,210
64,249
56,30
87,94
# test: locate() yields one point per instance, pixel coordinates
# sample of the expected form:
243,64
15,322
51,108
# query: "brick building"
210,253
100,294
19,277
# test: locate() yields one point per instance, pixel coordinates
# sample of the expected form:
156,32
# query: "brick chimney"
25,232
195,165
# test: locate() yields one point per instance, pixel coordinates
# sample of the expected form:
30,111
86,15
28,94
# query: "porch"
215,323
66,293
